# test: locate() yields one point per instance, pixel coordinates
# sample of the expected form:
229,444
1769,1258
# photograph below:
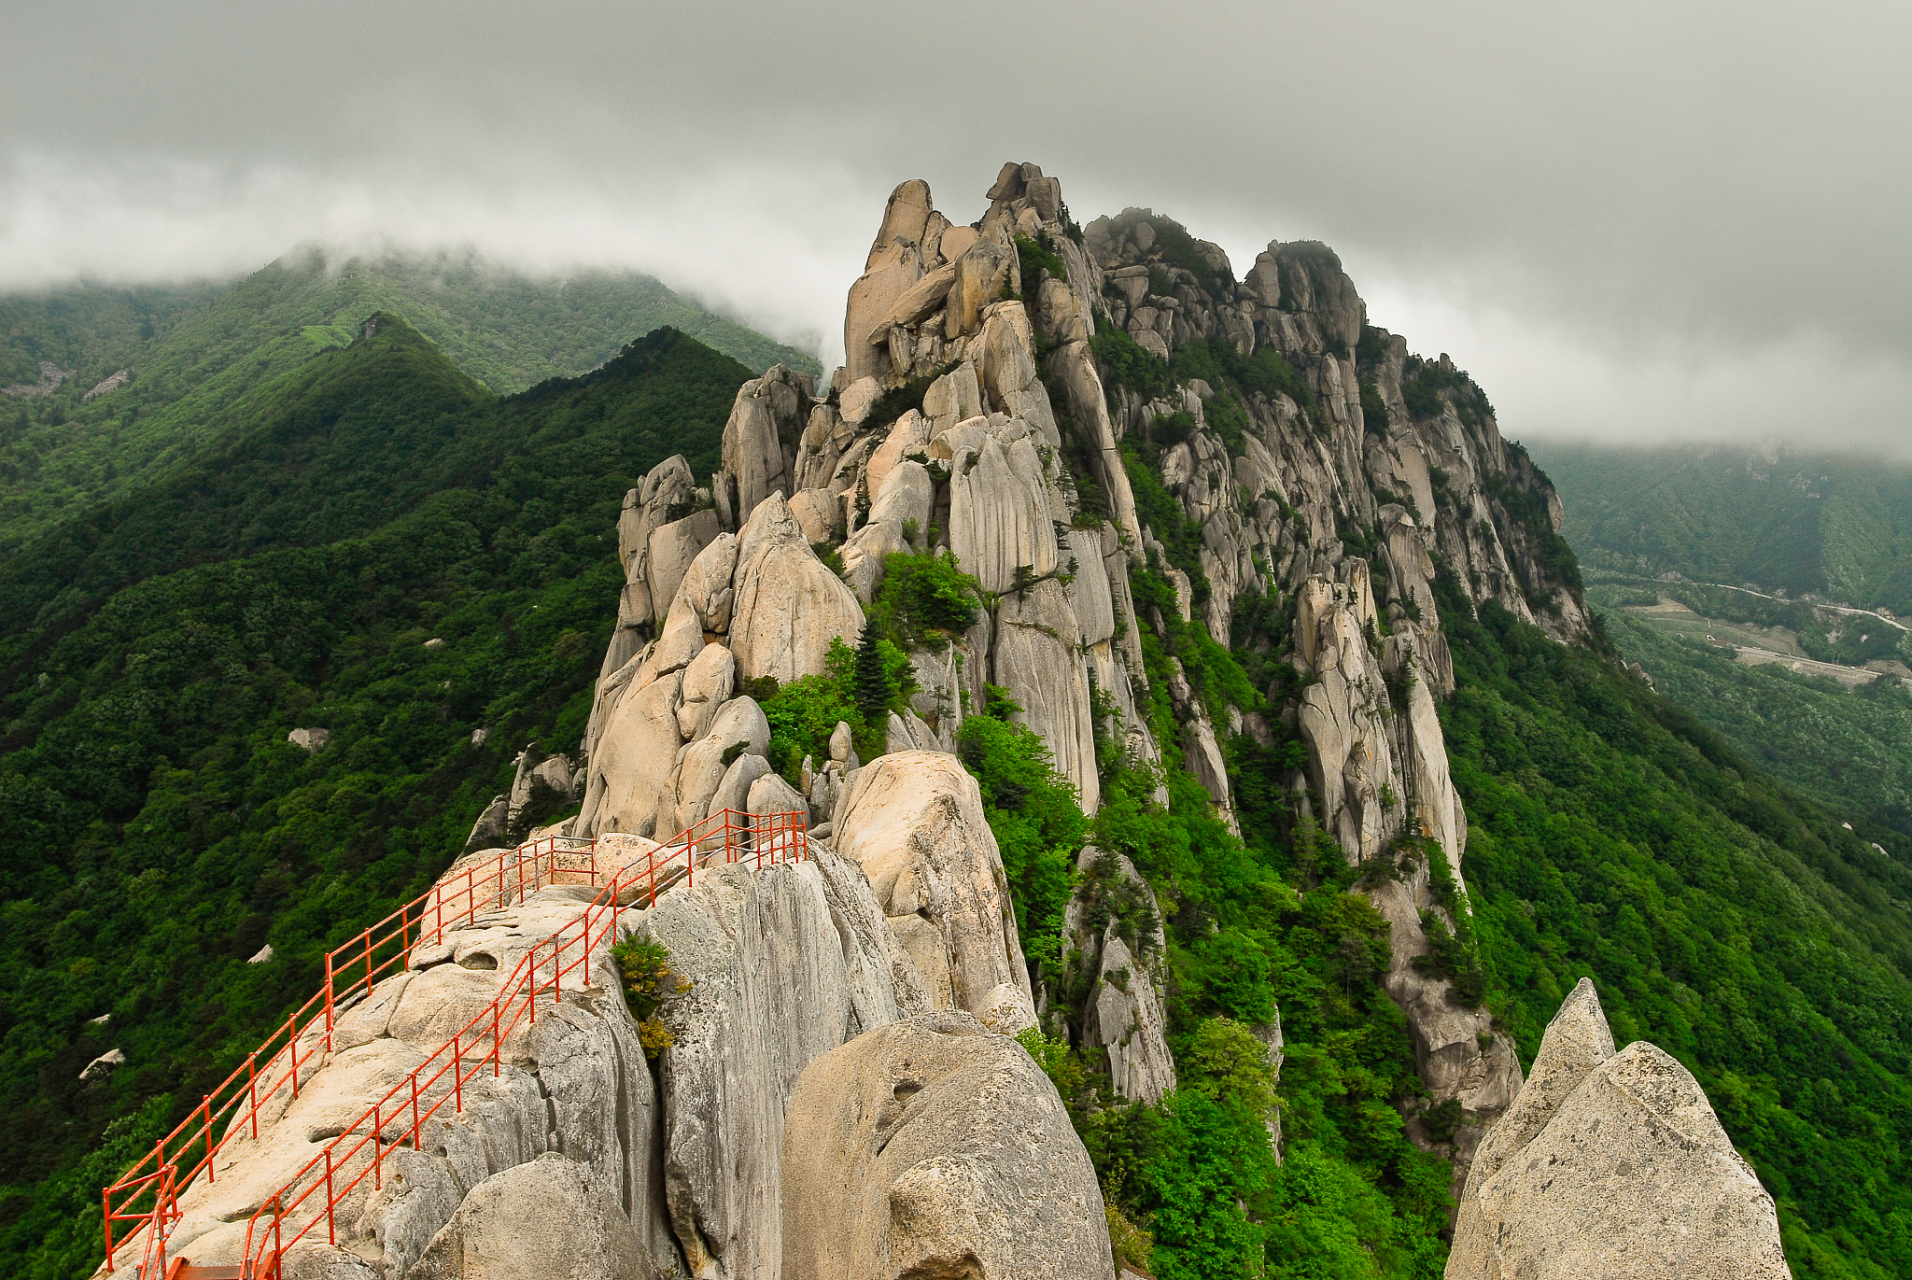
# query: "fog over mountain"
1630,221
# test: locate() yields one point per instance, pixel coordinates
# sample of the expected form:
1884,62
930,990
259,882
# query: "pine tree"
873,690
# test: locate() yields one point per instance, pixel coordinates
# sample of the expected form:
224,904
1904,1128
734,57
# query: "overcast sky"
1628,220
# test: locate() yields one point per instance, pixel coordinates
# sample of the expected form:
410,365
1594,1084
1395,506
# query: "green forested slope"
155,825
1837,526
197,352
1737,925
1849,749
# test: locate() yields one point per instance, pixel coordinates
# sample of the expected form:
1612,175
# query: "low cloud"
1630,220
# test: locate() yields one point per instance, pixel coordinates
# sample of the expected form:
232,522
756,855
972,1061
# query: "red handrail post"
206,1106
328,1002
457,1080
292,1048
252,1090
378,1148
106,1216
331,1225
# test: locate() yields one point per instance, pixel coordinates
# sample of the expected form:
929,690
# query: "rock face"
1611,1164
913,820
545,1220
935,1147
785,965
1125,1013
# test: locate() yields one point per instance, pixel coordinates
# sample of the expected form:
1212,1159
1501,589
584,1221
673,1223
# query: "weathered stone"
818,513
895,263
955,242
488,832
709,681
739,722
908,497
774,984
857,398
417,1196
733,791
1037,658
937,1148
771,794
1618,1167
1000,518
952,398
914,821
916,302
908,435
706,587
633,758
546,1219
753,450
789,606
672,549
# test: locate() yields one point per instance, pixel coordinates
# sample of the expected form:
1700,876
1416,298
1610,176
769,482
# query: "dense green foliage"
1037,255
924,600
1840,527
1033,811
158,827
1251,926
196,351
1742,929
804,712
1848,637
332,449
1849,749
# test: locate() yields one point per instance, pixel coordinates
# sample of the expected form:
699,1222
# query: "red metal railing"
146,1196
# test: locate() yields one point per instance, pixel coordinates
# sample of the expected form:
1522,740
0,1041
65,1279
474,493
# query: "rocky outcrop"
913,821
547,1219
1611,1164
784,965
934,1147
1114,925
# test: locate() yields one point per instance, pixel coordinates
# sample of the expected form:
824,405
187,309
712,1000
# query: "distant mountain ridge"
192,351
1800,523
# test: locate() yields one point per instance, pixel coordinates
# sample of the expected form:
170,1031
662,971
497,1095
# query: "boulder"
701,772
633,758
733,791
818,513
709,681
1612,1165
954,397
706,586
867,552
545,1220
908,496
936,1148
910,435
913,820
753,445
672,549
788,605
771,794
784,965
